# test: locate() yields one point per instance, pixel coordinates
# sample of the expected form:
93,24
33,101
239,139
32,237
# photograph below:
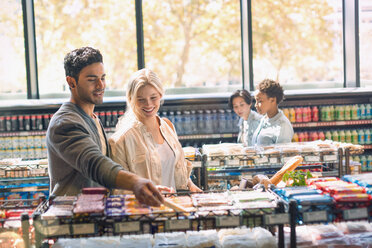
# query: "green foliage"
298,177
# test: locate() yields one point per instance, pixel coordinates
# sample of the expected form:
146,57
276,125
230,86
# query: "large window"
298,43
365,42
62,26
12,59
194,44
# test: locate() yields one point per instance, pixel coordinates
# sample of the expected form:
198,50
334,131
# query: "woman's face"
241,108
264,103
148,101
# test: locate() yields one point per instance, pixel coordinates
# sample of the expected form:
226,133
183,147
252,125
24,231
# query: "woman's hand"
193,187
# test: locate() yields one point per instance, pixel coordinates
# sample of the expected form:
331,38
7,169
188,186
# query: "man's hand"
146,192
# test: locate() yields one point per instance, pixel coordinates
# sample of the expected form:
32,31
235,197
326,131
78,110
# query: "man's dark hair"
79,58
272,89
242,93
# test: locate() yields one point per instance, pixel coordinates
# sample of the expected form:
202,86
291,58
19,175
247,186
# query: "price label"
275,219
312,158
262,160
214,163
286,159
234,162
315,216
196,164
356,213
225,221
330,157
172,225
57,230
273,160
38,171
132,226
83,228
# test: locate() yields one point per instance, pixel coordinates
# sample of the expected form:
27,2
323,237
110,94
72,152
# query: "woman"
241,102
274,126
146,144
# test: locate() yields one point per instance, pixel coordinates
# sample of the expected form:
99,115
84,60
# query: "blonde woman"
146,144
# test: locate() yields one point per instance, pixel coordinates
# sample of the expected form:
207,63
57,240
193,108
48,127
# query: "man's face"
91,84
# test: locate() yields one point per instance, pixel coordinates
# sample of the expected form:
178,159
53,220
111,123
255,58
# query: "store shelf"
207,136
23,133
23,179
331,123
367,147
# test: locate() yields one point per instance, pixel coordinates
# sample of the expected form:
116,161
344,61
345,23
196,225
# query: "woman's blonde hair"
138,80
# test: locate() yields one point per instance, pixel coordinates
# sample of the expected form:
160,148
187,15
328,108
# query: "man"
76,141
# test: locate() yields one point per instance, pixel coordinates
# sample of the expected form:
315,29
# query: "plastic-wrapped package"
100,242
70,243
354,227
170,240
264,239
361,239
136,241
237,238
325,232
202,239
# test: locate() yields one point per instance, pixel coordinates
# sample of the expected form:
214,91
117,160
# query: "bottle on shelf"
328,135
363,163
369,163
367,137
335,136
292,115
187,122
341,136
340,113
354,137
347,113
361,137
298,114
295,137
315,114
304,115
306,136
331,113
313,136
362,109
286,113
321,135
354,112
348,136
368,111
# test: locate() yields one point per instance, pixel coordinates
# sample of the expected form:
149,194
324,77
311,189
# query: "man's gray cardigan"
74,153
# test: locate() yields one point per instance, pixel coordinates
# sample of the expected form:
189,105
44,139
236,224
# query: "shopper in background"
146,144
274,126
76,141
241,102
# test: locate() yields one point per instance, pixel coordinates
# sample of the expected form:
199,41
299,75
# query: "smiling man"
76,141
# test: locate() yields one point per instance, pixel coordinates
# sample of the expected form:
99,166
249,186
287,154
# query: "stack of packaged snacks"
364,180
313,206
350,200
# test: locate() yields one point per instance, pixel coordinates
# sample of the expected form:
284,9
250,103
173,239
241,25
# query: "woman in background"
274,126
241,102
146,144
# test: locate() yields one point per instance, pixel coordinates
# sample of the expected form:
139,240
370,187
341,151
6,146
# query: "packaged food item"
174,239
136,241
202,239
